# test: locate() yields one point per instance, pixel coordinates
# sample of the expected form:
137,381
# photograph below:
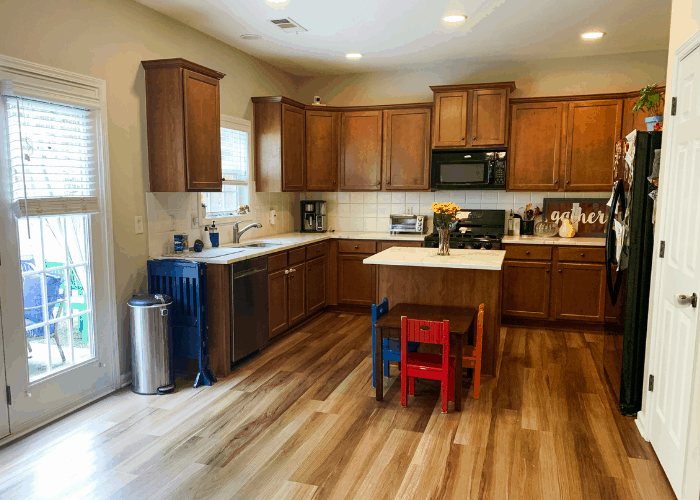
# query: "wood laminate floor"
300,422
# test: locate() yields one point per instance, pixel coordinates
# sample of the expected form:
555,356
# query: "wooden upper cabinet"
451,119
361,151
407,149
279,142
593,127
183,126
322,132
471,115
534,156
488,117
293,146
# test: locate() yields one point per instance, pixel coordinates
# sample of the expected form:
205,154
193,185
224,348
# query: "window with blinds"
235,170
52,150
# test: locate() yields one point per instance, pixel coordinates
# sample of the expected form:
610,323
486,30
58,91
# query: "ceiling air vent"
288,24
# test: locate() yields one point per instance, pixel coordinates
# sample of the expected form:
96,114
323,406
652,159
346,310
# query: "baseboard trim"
50,417
124,380
553,325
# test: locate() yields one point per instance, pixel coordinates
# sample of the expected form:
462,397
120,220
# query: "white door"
54,284
4,416
675,333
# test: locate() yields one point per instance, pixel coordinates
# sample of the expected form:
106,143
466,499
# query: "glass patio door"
57,319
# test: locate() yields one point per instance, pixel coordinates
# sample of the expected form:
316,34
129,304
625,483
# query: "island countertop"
489,260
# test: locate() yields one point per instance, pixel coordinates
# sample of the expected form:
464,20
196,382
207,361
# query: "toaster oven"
408,223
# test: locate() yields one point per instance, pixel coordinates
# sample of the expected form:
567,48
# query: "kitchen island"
465,278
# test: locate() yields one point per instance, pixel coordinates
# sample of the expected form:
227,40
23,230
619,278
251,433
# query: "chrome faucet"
237,234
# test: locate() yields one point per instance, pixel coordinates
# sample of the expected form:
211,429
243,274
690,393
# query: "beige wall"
614,73
108,39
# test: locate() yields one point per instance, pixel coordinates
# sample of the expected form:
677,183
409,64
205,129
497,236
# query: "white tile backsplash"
378,206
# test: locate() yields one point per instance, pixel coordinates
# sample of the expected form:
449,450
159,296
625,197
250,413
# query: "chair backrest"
379,310
478,340
426,332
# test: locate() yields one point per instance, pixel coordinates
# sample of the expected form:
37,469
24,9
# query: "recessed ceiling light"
454,18
250,36
593,35
354,55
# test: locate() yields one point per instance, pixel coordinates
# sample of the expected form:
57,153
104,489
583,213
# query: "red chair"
423,365
472,353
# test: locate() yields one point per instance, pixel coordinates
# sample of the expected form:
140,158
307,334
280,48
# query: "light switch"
138,224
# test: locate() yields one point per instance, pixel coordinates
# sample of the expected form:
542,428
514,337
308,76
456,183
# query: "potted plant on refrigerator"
652,102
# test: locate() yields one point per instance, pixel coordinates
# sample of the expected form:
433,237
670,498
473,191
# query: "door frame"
45,82
691,482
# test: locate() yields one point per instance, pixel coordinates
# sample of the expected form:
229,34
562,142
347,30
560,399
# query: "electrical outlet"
138,224
195,220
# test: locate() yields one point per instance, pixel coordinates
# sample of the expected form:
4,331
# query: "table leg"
458,373
379,363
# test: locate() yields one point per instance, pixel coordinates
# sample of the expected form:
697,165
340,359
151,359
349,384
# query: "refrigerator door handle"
611,242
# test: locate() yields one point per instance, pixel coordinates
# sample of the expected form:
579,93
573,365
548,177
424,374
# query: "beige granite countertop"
230,253
427,257
586,241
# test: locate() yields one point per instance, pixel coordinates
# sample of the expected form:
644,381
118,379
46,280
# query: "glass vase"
444,245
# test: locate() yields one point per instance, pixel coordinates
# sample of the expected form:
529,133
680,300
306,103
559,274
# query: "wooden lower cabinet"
316,279
356,281
296,297
526,289
277,302
580,292
556,284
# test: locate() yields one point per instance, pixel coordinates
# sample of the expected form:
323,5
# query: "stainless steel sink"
261,245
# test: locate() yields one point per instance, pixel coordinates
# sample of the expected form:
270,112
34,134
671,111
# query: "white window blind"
234,155
52,158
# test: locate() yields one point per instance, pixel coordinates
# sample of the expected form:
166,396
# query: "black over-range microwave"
468,169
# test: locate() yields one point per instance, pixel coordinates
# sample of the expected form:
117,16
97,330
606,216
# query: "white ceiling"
408,34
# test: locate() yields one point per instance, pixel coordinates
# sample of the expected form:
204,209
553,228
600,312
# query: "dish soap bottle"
205,237
214,234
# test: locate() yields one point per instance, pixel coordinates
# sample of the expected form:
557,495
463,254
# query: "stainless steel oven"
468,169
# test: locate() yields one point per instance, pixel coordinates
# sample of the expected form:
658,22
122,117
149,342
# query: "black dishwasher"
249,325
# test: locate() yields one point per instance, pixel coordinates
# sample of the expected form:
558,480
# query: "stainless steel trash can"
151,345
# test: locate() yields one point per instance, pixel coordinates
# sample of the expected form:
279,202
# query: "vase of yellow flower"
445,215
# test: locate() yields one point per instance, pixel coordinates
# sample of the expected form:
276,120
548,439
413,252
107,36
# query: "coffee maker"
313,216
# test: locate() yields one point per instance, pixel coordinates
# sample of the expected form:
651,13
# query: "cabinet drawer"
383,245
276,262
357,246
528,252
581,254
297,256
316,250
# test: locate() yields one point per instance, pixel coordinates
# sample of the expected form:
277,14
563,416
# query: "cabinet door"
593,127
322,150
488,124
296,296
315,285
202,131
277,298
451,119
356,281
361,151
526,288
580,292
535,146
407,149
293,145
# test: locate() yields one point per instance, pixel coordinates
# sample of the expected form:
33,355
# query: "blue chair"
33,302
391,348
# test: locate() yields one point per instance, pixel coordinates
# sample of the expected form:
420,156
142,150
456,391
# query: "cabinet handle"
474,138
568,182
388,182
583,255
462,138
527,252
560,270
556,182
379,183
546,271
357,246
286,271
334,183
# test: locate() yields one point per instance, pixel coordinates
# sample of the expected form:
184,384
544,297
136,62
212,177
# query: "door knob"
692,300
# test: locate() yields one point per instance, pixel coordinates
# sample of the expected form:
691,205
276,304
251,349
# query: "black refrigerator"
628,256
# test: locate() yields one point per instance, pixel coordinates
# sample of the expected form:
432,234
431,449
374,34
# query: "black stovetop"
478,229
